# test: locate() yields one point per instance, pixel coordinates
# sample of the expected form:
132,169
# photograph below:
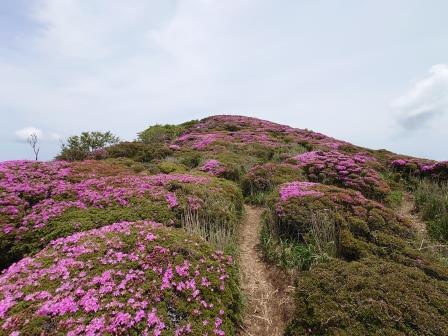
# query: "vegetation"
122,237
137,151
431,199
369,297
126,278
163,133
45,201
362,273
262,179
79,147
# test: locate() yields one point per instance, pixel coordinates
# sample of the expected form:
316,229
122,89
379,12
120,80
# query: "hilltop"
222,226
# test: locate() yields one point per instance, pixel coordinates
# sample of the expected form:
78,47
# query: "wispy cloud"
24,133
426,100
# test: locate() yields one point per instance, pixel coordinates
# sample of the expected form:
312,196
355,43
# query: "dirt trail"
267,291
406,210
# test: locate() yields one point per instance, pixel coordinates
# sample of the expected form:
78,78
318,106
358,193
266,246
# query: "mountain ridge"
144,237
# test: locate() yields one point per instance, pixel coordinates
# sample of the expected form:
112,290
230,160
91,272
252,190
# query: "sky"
374,72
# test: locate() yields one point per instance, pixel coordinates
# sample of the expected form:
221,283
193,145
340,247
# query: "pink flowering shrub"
195,140
421,168
213,167
44,201
362,226
246,130
125,278
298,189
346,170
375,265
437,171
31,180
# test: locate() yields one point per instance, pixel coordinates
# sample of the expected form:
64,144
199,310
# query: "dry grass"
322,229
217,234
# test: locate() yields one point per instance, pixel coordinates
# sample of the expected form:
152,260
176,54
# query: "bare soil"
407,210
268,291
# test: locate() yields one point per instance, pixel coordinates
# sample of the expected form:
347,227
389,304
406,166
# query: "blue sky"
374,73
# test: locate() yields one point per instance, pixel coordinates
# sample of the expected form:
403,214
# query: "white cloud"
24,133
425,101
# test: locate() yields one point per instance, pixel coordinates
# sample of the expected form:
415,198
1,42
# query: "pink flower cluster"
349,199
122,278
213,167
424,168
240,121
298,189
30,179
197,140
31,193
348,170
246,130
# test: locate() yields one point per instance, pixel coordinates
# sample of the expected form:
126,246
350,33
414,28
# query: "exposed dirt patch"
268,290
407,210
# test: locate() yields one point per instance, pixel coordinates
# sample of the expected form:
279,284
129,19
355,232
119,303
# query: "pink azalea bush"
347,170
43,201
421,168
213,167
196,140
361,226
301,191
253,130
125,278
246,130
32,182
297,189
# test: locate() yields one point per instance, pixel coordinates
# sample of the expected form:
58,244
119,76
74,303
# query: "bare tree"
33,140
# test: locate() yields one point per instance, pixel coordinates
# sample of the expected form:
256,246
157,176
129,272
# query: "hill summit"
157,236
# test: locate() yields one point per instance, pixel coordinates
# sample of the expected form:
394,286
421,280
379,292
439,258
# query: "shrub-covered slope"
104,245
125,278
45,201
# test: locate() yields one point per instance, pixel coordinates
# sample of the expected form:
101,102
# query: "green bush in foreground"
372,297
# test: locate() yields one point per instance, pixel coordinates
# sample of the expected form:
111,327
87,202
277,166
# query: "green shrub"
363,228
438,228
158,134
286,151
370,297
141,152
190,159
78,147
264,178
394,198
136,167
171,167
431,199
